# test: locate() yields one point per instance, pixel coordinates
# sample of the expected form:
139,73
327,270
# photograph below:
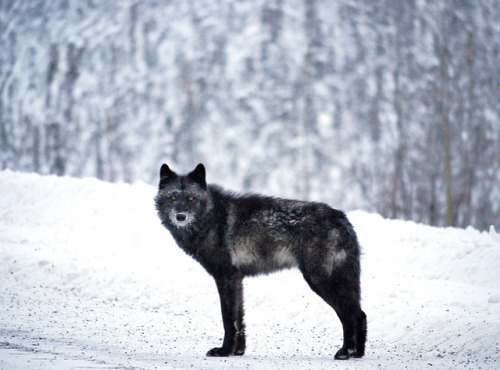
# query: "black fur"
233,236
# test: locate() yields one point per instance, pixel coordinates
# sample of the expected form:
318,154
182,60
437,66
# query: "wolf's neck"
191,238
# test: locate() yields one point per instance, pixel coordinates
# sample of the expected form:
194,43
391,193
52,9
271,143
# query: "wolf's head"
182,199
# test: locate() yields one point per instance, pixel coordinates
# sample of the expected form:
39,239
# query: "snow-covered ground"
90,279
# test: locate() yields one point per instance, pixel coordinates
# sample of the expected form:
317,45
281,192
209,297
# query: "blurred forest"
389,106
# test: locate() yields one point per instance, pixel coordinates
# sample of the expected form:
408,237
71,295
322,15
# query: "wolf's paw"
219,352
239,352
358,353
345,353
240,346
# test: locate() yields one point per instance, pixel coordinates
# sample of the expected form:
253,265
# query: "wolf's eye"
173,197
191,199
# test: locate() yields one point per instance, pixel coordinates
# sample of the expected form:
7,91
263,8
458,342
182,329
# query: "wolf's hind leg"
350,315
240,344
343,297
361,335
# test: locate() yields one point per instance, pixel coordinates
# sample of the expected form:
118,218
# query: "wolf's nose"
181,217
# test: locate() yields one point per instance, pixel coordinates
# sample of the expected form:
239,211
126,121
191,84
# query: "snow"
90,279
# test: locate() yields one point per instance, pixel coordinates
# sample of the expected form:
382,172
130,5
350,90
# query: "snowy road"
90,279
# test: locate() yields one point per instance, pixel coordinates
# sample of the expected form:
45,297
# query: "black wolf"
233,236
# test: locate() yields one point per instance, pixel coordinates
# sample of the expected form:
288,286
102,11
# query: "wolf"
233,236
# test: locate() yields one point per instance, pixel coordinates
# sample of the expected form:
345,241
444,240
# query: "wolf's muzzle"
181,217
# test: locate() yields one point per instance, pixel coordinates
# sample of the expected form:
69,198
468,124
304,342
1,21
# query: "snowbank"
89,278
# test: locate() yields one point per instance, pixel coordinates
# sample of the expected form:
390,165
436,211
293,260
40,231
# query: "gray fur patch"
245,255
242,257
284,258
336,256
340,257
334,259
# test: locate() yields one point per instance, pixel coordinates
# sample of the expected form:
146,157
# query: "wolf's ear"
166,174
198,176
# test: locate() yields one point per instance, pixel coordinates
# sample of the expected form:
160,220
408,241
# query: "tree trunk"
441,47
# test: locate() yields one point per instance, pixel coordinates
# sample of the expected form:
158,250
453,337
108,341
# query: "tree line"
389,106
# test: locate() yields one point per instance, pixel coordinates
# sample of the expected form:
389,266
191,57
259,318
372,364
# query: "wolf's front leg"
231,301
